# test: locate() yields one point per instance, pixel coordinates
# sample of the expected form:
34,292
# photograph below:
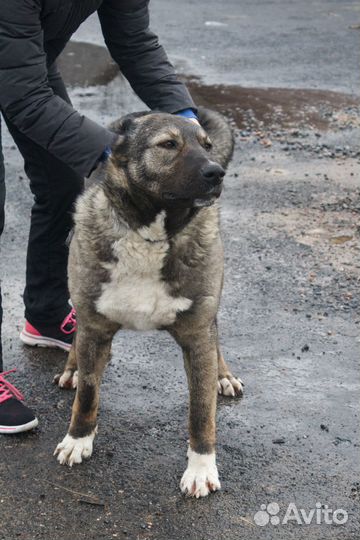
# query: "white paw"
201,476
75,378
69,379
72,450
230,386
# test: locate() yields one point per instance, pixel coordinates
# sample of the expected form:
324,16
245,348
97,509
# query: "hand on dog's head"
168,159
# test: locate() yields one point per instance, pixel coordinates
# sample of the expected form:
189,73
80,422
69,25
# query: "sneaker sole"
10,430
40,341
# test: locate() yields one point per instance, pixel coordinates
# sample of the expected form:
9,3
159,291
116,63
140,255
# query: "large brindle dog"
147,253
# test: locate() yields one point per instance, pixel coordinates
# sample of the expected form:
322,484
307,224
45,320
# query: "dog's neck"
139,211
132,207
177,219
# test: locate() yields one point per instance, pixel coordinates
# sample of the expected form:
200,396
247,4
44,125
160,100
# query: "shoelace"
8,390
69,320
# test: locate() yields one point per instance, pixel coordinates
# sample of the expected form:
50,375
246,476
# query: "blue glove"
105,155
188,113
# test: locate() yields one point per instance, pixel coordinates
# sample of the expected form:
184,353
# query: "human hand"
189,114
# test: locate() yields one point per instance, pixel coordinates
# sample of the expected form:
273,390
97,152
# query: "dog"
147,254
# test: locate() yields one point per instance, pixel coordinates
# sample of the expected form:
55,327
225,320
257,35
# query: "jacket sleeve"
28,101
125,26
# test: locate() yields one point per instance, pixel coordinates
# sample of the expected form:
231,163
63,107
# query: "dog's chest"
136,295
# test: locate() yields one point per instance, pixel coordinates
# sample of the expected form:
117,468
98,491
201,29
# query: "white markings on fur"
75,379
201,476
69,379
231,386
136,296
72,450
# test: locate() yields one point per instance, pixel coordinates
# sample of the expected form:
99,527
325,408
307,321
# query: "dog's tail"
220,133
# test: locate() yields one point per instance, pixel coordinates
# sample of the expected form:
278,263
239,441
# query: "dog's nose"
213,173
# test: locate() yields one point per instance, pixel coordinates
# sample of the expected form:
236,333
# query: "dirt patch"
271,107
334,238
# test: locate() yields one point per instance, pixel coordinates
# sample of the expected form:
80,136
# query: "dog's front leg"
201,475
92,353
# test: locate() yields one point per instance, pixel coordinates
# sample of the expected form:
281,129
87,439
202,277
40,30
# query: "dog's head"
167,159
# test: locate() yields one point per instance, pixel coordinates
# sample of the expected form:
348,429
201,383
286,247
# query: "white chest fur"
136,296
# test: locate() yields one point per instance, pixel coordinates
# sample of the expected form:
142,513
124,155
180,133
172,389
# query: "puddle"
85,64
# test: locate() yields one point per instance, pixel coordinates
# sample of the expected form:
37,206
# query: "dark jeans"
55,188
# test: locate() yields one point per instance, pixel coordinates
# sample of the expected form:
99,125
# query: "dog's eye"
208,146
170,144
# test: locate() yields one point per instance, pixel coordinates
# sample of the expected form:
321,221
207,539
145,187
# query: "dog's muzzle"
213,174
211,179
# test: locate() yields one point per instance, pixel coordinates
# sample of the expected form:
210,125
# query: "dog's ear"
126,124
124,127
220,133
119,149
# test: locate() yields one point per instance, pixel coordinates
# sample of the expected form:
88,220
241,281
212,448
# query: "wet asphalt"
289,319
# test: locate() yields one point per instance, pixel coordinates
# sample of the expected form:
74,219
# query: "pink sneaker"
15,417
59,336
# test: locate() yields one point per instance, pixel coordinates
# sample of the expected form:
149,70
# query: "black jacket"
32,35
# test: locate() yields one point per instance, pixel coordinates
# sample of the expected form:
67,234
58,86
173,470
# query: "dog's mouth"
198,201
170,196
201,203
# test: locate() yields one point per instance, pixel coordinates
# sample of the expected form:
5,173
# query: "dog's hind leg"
69,377
92,353
200,357
228,385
